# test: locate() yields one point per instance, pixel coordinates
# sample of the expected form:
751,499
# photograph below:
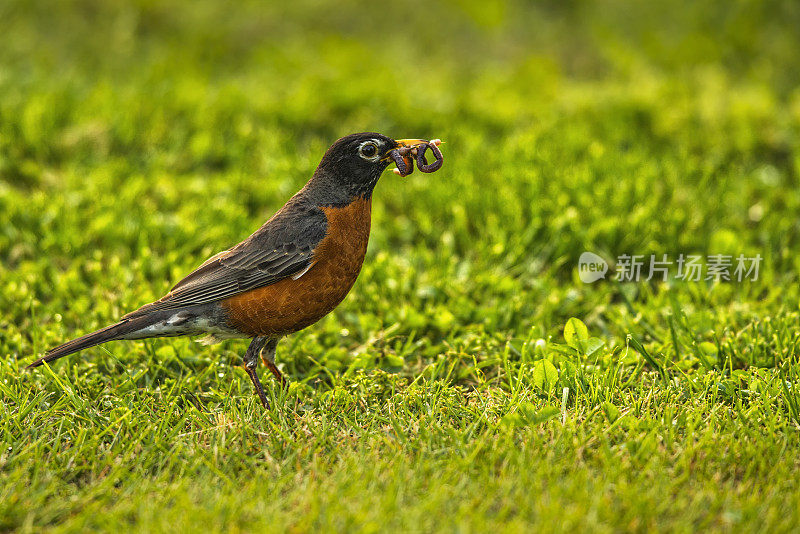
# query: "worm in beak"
416,148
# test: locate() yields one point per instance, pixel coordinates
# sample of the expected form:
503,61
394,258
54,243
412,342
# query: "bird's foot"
250,365
251,371
275,371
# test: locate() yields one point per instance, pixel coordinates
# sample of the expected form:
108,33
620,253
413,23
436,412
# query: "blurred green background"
139,137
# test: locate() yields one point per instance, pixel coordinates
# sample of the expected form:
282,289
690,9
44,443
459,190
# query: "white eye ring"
365,147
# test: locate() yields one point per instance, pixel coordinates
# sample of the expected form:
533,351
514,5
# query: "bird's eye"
368,150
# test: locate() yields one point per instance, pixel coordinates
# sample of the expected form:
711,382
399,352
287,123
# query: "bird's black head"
352,165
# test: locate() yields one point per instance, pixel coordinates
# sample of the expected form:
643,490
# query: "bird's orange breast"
291,305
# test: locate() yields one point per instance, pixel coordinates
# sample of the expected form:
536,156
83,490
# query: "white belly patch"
184,324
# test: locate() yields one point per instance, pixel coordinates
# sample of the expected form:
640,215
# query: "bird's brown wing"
283,247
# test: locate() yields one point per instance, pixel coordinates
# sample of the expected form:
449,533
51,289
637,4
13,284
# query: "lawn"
471,381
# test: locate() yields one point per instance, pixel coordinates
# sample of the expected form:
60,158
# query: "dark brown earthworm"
403,158
422,163
400,160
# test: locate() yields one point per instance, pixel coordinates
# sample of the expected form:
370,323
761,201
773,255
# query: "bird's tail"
109,333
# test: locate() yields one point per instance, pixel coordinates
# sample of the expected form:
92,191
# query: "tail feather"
109,333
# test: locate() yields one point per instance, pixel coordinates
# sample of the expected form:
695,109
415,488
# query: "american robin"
287,275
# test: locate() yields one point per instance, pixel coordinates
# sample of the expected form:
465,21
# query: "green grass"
138,138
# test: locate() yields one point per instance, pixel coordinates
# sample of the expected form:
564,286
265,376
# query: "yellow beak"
409,142
404,143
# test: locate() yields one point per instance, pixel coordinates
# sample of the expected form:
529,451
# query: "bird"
287,275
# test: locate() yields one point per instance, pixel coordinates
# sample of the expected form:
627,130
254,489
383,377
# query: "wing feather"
283,247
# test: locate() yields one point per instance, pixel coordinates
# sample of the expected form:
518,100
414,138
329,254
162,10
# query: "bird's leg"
268,357
250,364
